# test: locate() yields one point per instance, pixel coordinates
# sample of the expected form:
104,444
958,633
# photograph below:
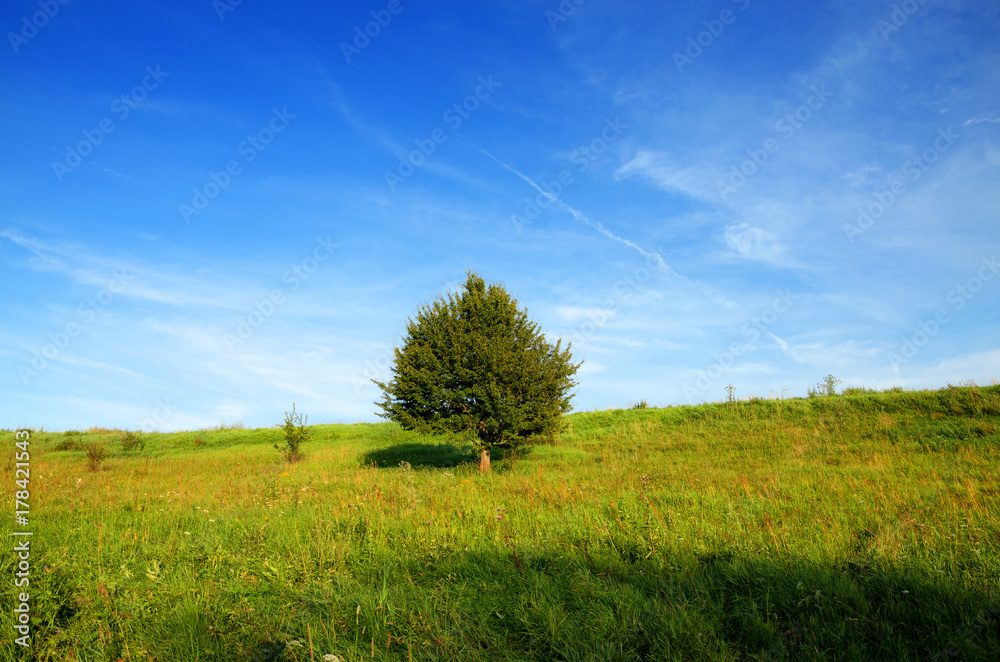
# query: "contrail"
597,225
784,347
580,216
979,120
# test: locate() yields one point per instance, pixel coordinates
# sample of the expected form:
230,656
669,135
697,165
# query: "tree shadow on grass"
418,455
526,601
707,606
441,456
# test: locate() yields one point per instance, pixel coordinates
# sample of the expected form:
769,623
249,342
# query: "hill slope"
857,527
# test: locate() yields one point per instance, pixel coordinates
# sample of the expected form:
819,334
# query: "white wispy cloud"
980,120
694,180
128,277
753,243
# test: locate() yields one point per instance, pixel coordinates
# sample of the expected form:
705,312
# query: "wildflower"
296,643
187,533
329,657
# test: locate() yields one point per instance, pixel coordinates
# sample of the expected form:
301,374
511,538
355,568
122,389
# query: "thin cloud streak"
580,216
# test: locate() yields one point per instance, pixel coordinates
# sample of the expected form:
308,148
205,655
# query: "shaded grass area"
861,527
544,605
417,455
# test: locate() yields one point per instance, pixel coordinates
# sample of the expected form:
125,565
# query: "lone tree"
474,364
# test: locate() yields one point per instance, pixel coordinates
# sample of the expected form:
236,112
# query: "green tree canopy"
474,364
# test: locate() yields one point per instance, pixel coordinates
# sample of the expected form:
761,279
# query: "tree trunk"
484,461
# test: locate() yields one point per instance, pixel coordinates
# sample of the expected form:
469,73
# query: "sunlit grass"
849,527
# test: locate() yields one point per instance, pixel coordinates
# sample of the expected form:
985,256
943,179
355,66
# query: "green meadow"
844,527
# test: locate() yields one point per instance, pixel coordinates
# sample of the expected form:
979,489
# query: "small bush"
73,441
96,453
296,434
131,440
641,404
826,387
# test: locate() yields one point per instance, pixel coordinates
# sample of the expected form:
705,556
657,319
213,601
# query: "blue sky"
209,211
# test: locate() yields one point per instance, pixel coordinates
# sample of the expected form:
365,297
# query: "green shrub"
826,387
96,453
73,441
131,440
296,434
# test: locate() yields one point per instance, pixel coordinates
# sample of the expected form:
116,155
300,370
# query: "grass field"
853,527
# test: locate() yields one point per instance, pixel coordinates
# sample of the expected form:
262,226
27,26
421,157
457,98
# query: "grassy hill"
855,527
